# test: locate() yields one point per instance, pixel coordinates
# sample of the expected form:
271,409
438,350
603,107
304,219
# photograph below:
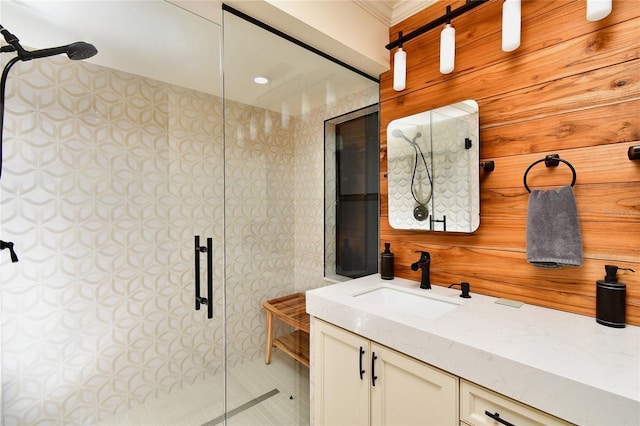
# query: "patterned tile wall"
309,185
259,223
107,177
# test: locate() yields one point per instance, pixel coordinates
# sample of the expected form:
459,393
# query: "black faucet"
423,263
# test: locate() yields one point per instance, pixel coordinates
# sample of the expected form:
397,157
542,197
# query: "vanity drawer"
476,401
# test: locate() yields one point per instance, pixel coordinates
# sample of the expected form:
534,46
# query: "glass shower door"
259,245
274,206
111,167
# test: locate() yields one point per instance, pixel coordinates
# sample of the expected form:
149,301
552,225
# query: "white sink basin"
408,301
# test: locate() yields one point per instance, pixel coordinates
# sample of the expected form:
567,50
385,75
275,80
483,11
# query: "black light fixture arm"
444,19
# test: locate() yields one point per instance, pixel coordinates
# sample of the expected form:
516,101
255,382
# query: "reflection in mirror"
433,169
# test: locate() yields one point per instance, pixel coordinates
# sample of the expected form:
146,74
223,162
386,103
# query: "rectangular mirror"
433,161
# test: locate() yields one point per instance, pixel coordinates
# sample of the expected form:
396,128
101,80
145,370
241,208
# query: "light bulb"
447,49
399,70
598,9
511,23
261,80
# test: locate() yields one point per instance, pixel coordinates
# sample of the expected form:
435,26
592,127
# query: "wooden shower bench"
290,309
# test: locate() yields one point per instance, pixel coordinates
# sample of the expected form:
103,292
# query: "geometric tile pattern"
107,177
192,406
309,186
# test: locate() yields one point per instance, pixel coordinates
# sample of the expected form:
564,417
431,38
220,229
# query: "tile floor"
258,395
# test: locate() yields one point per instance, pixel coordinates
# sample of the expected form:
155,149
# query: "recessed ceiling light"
261,80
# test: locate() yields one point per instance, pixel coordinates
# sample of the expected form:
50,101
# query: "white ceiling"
388,12
300,80
154,39
180,45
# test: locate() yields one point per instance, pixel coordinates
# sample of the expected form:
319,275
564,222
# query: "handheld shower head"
81,50
75,51
421,211
398,133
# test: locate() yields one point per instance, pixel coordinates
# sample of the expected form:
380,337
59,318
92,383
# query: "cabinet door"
409,392
340,392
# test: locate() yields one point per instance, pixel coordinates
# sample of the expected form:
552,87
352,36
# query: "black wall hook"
634,152
488,166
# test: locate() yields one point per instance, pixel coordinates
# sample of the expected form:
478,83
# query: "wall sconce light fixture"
598,9
399,68
511,29
447,37
447,46
511,23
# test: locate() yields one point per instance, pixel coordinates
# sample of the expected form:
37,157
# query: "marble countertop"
561,363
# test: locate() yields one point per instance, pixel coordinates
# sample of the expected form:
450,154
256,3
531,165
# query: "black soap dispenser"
386,263
611,298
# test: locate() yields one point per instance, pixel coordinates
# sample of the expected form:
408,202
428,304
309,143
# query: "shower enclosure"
112,167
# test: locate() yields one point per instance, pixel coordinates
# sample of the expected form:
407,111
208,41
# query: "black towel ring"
550,161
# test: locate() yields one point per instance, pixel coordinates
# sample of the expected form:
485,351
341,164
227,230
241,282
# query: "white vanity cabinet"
561,365
480,407
359,382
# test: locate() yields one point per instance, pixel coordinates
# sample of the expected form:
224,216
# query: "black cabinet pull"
361,369
199,299
373,368
497,418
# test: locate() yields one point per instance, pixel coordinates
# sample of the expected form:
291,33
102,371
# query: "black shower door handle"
199,299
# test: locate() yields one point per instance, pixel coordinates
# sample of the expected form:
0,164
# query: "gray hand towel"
553,229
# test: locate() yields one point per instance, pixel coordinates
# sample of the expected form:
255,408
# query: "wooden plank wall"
571,88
